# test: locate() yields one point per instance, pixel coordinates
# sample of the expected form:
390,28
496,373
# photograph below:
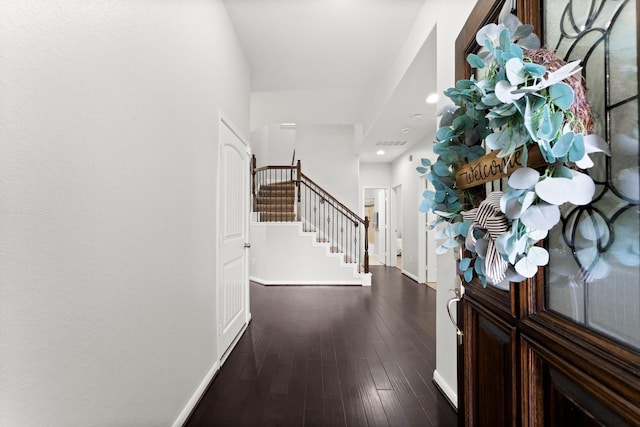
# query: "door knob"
247,245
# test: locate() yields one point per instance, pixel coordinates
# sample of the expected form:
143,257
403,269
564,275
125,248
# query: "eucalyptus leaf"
530,42
550,123
425,205
542,216
554,190
516,51
535,70
425,162
471,138
584,189
464,227
522,31
444,133
451,243
528,199
524,178
421,170
505,242
505,40
561,147
488,32
524,157
562,95
504,92
515,71
441,169
475,61
562,172
465,263
538,255
577,150
513,276
545,149
513,208
536,235
578,190
528,265
468,275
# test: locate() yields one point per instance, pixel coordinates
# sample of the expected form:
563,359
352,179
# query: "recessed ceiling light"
417,116
289,125
380,152
433,98
405,130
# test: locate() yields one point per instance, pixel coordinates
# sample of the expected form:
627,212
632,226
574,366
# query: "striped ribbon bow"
488,217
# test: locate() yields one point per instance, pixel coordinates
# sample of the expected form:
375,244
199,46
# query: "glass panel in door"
593,277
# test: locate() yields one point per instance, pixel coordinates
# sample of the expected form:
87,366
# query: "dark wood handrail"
266,168
355,218
333,199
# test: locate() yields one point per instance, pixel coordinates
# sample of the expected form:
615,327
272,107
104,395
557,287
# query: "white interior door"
381,239
233,274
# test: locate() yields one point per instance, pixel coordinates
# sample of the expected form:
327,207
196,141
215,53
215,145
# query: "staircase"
287,203
275,202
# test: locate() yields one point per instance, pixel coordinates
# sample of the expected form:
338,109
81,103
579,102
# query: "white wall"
449,26
375,175
403,172
328,158
438,16
108,142
282,254
273,145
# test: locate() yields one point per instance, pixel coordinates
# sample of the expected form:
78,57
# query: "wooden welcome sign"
491,167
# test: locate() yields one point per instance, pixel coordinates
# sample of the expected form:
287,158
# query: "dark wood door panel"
559,391
490,378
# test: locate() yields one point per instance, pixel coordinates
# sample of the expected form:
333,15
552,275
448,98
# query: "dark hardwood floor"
332,356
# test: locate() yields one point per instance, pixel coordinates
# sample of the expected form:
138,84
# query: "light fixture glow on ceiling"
416,116
380,152
405,130
289,125
433,98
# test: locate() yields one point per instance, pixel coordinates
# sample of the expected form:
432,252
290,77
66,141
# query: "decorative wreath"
528,100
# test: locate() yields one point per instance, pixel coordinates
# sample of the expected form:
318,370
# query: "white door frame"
396,211
222,353
427,258
388,191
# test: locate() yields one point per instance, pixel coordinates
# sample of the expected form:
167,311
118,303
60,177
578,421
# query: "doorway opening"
376,209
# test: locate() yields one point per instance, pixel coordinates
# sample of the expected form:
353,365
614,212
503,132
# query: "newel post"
298,175
366,244
253,182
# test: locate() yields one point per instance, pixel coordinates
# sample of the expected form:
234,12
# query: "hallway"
332,356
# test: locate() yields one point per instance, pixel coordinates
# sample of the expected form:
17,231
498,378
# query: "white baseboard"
308,282
432,275
191,404
445,388
410,276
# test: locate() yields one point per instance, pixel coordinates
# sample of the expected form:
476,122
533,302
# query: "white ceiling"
322,61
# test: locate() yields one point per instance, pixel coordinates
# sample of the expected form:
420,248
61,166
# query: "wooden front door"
563,349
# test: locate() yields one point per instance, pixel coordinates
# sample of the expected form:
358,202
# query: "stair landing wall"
282,254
